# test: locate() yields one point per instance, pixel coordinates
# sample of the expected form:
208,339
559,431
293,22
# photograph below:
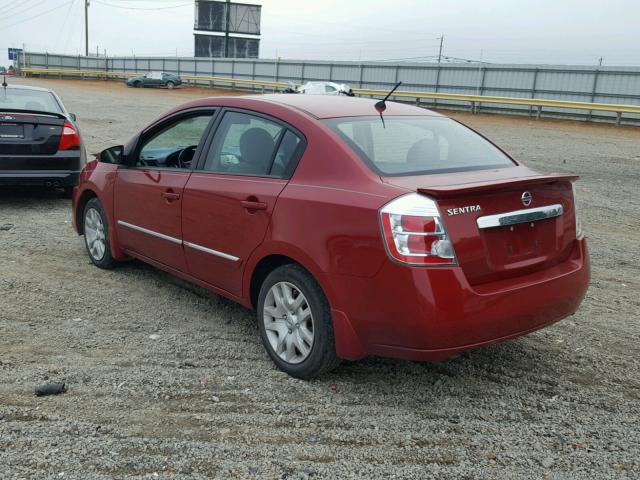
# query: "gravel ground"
167,380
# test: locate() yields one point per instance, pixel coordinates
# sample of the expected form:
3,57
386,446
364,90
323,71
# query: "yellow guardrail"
114,74
474,100
532,102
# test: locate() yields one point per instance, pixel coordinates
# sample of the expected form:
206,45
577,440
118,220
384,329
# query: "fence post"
435,100
533,91
253,74
480,89
361,75
594,89
331,72
302,73
233,72
46,60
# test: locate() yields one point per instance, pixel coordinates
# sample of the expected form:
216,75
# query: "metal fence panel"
418,76
618,85
347,74
317,72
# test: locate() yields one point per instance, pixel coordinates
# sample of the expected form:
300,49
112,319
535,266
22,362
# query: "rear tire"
96,234
171,85
137,84
294,319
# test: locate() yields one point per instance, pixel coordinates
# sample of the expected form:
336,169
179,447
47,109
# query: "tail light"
70,138
414,232
576,211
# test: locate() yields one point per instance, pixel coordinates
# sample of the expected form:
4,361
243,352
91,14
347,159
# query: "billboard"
214,46
211,16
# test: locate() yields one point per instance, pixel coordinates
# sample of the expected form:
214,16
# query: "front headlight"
576,211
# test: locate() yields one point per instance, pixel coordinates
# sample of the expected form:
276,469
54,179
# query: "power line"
36,16
64,23
13,13
142,8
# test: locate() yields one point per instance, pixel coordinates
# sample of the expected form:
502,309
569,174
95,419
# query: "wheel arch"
263,268
348,344
271,256
85,196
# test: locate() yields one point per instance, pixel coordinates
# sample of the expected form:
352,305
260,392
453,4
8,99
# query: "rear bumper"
433,313
43,178
61,169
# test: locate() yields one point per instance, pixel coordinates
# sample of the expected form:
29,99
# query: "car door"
148,189
229,198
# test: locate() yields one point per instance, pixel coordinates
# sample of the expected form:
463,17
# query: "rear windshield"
18,99
417,145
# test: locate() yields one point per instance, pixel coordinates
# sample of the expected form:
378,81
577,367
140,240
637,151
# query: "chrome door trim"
210,251
177,241
520,216
150,232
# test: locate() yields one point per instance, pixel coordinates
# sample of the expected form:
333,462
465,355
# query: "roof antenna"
381,106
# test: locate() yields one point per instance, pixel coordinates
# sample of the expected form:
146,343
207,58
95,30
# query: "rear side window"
246,144
417,145
39,101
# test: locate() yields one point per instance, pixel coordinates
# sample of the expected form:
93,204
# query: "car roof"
327,106
27,87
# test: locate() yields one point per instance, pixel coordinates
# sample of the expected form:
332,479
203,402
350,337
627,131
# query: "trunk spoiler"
32,112
477,187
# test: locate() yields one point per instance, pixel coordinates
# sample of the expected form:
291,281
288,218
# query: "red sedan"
350,233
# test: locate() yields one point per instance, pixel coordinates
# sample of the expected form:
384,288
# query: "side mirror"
113,155
73,117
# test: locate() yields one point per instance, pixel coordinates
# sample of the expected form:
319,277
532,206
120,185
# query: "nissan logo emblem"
526,198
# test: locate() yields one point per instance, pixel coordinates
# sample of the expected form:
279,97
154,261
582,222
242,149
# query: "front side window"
174,146
417,145
246,144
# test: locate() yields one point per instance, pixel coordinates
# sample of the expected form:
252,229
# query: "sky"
576,32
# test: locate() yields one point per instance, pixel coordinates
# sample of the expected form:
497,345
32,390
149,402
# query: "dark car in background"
155,79
40,144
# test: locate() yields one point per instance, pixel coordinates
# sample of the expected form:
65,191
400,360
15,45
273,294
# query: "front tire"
96,234
294,319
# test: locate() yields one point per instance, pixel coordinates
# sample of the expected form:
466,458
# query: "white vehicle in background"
320,88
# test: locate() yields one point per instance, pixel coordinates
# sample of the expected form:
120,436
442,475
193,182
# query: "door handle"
170,196
253,205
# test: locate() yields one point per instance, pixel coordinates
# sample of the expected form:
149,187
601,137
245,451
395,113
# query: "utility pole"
440,51
226,29
600,62
86,28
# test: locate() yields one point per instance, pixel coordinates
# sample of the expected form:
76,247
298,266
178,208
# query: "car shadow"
496,364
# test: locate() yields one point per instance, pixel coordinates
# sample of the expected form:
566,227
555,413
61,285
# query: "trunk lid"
29,134
515,240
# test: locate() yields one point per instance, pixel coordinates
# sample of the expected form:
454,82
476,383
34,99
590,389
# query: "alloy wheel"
288,322
94,234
